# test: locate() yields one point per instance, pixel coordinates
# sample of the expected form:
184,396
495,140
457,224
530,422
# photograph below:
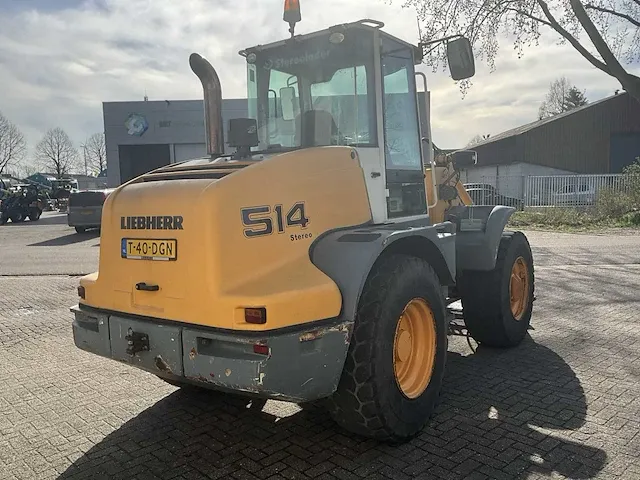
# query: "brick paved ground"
566,404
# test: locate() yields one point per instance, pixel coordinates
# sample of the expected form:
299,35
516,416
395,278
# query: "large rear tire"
392,376
497,305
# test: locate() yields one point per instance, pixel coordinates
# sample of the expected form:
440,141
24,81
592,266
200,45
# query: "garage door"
187,151
136,160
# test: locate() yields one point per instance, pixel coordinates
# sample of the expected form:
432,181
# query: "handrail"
432,161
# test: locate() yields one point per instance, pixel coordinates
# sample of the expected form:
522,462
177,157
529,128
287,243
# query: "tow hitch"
136,342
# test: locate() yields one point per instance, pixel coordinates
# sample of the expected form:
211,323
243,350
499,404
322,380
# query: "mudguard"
348,255
479,229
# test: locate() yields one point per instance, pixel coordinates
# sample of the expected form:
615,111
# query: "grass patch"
577,219
564,219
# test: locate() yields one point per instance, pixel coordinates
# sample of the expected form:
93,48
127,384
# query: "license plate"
149,249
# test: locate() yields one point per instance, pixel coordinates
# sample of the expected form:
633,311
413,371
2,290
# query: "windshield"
314,92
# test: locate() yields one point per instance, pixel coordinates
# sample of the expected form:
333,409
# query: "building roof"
533,125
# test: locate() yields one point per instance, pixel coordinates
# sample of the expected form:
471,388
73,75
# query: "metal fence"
497,190
546,191
573,190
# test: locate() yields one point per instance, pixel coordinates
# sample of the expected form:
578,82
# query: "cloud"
59,60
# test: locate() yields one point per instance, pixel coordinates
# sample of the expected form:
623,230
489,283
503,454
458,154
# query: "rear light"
81,292
261,349
255,315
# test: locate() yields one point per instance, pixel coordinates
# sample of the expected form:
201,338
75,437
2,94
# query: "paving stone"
564,404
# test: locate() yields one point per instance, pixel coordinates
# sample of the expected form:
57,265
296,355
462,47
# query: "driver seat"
316,128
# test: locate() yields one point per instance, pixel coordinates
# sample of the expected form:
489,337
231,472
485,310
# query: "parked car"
581,194
84,210
486,194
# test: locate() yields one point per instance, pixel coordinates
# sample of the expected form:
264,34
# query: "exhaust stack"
212,103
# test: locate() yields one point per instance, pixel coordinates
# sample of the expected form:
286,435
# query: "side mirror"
288,103
460,58
464,159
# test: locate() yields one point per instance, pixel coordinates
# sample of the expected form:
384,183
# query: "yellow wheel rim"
519,288
414,348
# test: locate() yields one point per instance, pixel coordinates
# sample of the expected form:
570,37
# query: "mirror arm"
422,45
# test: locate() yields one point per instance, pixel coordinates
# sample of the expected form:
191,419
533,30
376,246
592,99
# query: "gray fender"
348,255
480,229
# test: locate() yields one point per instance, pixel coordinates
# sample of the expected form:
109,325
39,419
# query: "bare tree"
95,152
612,28
56,152
12,144
562,97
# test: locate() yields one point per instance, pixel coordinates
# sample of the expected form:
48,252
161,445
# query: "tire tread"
356,404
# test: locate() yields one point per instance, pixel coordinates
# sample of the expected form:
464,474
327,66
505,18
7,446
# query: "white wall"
508,179
187,151
530,169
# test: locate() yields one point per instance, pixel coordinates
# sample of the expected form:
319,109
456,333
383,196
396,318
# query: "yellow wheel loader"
320,259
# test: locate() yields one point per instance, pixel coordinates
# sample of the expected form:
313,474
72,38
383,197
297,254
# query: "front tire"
392,376
497,305
80,229
35,214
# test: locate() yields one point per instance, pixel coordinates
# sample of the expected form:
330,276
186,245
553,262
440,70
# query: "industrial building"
601,137
141,136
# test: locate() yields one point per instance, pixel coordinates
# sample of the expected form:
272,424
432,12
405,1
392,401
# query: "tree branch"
601,46
588,6
571,39
528,15
629,82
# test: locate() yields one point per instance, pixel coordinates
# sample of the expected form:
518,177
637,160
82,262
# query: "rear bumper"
302,364
84,216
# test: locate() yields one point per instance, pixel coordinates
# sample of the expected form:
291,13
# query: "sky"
60,59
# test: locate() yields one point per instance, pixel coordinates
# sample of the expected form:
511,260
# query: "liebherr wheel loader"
319,259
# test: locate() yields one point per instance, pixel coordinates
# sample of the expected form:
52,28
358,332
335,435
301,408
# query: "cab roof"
363,24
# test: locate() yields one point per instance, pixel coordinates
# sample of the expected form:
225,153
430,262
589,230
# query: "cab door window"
404,169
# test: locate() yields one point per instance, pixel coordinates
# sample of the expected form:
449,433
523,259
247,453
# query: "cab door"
406,196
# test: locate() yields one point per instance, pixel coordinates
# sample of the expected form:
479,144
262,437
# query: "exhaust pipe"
212,103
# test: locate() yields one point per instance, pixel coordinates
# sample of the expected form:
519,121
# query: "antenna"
146,97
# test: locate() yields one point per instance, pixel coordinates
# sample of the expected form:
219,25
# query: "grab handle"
147,288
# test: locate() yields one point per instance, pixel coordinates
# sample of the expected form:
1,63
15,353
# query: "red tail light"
261,349
255,315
